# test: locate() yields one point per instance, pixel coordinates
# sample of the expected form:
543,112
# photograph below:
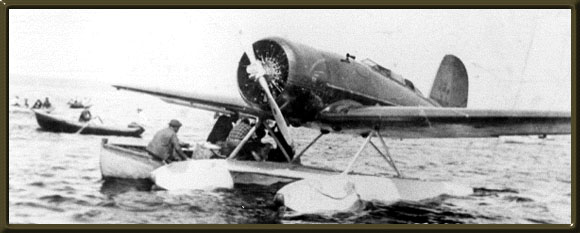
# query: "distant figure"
142,119
37,104
165,145
26,103
47,103
16,101
85,116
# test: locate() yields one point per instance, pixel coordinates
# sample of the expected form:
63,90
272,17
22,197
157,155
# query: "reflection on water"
114,186
55,178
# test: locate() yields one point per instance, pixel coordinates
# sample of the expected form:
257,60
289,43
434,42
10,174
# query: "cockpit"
389,74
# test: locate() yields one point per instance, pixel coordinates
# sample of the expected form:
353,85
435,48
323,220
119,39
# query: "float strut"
242,143
388,155
387,158
358,153
309,145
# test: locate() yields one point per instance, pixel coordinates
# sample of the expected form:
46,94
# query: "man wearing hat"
165,144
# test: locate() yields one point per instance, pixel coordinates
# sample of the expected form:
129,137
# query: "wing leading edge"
215,103
396,122
432,122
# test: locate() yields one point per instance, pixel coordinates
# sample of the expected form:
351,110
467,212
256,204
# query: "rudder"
450,87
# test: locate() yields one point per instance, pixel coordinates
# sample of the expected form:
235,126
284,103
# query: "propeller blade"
255,68
249,50
247,47
276,111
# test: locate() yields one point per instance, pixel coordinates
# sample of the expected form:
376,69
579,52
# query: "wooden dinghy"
126,161
57,124
79,105
129,161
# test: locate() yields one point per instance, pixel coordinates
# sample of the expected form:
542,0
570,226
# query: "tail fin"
450,87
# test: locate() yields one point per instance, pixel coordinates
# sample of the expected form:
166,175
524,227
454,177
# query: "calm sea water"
55,178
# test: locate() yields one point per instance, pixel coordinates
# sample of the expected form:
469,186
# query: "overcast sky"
514,58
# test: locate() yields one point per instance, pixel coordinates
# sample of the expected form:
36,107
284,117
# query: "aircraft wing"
215,103
434,122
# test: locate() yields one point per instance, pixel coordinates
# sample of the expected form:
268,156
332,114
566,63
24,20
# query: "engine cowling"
288,76
274,59
304,80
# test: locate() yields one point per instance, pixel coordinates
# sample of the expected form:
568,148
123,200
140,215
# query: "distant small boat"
18,109
23,109
57,124
79,105
530,139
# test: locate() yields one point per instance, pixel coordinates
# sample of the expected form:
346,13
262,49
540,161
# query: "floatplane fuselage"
295,84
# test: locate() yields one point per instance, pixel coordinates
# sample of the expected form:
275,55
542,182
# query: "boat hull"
126,162
56,124
79,106
133,162
117,161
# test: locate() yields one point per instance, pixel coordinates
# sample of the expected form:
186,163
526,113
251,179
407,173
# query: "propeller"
257,72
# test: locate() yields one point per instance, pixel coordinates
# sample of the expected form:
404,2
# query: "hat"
175,123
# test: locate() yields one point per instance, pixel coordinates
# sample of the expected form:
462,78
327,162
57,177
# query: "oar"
84,126
98,117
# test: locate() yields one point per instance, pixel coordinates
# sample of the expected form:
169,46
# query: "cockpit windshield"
389,74
382,70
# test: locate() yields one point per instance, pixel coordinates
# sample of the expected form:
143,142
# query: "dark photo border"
7,5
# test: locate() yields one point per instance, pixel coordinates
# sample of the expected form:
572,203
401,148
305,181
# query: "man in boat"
166,146
276,155
219,133
221,129
37,104
16,101
85,116
254,149
47,103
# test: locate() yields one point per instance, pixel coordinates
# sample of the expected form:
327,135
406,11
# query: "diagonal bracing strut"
386,156
322,132
277,142
243,142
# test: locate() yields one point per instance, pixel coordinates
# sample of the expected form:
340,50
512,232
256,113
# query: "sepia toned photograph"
289,116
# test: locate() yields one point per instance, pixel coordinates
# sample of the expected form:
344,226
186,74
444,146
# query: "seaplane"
283,83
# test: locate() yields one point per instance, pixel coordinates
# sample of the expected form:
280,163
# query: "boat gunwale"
116,147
